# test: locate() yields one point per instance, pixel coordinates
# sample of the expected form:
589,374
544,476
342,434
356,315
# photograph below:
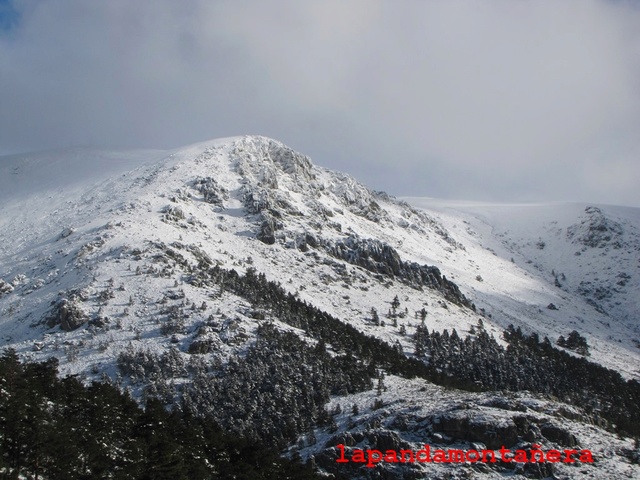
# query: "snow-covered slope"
24,176
110,254
242,202
583,259
70,219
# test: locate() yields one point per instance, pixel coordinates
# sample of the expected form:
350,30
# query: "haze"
466,99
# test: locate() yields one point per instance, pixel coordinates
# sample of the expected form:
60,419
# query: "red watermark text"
437,455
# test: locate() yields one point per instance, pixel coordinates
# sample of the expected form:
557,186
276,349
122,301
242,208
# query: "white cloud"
487,98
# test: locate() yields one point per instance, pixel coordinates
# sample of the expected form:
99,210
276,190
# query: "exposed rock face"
173,213
200,347
290,161
256,200
305,241
66,233
378,257
68,314
596,230
494,432
259,159
5,287
268,228
372,255
537,470
558,434
382,440
212,192
472,427
386,440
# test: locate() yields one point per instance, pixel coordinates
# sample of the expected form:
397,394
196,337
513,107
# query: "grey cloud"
490,99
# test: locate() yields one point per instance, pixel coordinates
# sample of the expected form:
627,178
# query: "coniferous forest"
476,362
59,429
230,421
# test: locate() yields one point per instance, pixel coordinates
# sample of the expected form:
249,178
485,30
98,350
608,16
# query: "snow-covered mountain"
127,265
583,259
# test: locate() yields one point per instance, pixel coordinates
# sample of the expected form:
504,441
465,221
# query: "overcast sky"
507,100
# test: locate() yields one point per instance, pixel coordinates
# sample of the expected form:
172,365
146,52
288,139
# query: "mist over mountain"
294,307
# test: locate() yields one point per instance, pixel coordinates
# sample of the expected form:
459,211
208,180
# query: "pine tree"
375,317
395,304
